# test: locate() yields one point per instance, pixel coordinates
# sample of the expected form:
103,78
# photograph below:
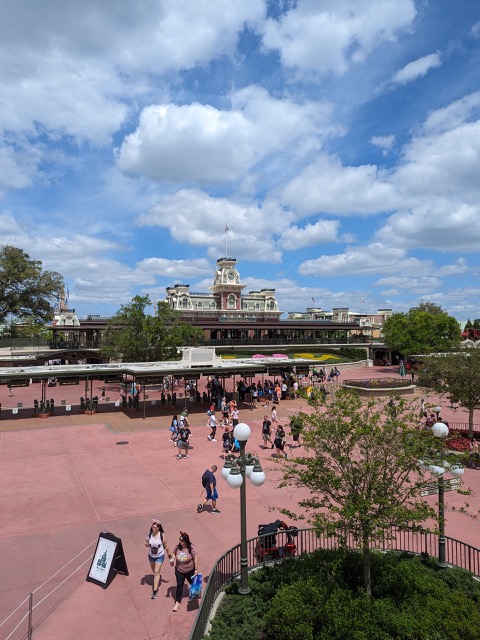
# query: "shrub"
319,597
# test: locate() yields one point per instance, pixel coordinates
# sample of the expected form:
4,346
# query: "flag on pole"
226,227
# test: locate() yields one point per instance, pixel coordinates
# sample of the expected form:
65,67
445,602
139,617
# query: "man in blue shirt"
209,482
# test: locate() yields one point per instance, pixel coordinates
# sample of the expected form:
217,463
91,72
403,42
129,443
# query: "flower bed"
380,386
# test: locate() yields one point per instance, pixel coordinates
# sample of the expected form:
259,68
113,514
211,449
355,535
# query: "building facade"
226,301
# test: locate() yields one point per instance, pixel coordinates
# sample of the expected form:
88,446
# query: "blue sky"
339,140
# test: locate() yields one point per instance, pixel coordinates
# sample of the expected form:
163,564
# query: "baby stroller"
266,547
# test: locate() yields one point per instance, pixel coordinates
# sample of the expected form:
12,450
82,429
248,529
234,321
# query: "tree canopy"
426,328
458,376
361,467
27,292
134,336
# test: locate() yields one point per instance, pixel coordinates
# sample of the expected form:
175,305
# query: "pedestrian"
183,442
10,390
235,417
224,408
174,429
279,442
157,544
186,565
209,483
212,423
103,393
283,390
295,389
267,432
296,431
227,441
274,416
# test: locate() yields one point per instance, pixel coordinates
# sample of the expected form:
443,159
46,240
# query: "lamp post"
440,430
235,470
437,410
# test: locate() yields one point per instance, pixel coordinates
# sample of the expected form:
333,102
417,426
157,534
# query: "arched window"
199,305
231,301
271,305
244,305
257,306
213,304
184,302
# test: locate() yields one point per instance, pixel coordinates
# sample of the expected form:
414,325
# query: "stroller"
266,547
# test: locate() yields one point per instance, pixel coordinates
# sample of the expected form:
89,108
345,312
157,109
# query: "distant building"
226,301
372,321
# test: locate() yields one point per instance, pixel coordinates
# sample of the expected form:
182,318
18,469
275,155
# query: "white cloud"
417,68
176,269
201,142
326,186
475,30
68,67
198,219
366,260
383,142
414,285
323,231
331,35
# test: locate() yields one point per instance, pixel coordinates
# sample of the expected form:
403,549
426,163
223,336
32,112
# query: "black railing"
416,541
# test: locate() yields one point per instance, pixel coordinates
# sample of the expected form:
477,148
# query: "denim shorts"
158,560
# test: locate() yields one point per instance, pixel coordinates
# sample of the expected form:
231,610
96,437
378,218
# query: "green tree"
458,376
361,469
27,292
134,336
424,329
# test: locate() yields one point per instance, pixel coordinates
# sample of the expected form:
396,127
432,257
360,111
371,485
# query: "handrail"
31,607
413,540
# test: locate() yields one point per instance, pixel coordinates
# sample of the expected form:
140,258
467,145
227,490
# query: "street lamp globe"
257,478
235,478
440,430
242,432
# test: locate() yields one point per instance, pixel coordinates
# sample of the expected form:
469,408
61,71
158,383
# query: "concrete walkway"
65,479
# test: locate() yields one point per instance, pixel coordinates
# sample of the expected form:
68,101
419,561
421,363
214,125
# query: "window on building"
199,305
184,302
213,304
231,302
257,306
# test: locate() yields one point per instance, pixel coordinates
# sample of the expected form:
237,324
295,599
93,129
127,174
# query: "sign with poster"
108,560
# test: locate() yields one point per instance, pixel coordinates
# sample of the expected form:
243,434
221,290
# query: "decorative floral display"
312,356
456,442
380,383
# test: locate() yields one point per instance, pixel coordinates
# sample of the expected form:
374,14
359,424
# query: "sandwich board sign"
108,560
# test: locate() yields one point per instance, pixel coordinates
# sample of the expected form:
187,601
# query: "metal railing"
416,541
20,623
462,427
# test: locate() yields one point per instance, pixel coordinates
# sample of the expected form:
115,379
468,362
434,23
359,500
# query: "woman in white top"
157,545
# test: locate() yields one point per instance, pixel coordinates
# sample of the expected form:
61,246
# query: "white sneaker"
213,439
209,437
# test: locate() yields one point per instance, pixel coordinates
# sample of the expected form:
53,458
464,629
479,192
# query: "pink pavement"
65,479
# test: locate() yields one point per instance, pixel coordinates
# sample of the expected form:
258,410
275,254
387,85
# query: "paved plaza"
65,479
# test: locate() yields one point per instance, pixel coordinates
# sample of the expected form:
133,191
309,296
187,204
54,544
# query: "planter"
89,412
380,392
43,415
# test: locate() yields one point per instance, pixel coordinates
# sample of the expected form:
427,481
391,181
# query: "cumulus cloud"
330,36
365,260
417,68
383,142
195,217
69,67
326,186
202,143
177,269
322,231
